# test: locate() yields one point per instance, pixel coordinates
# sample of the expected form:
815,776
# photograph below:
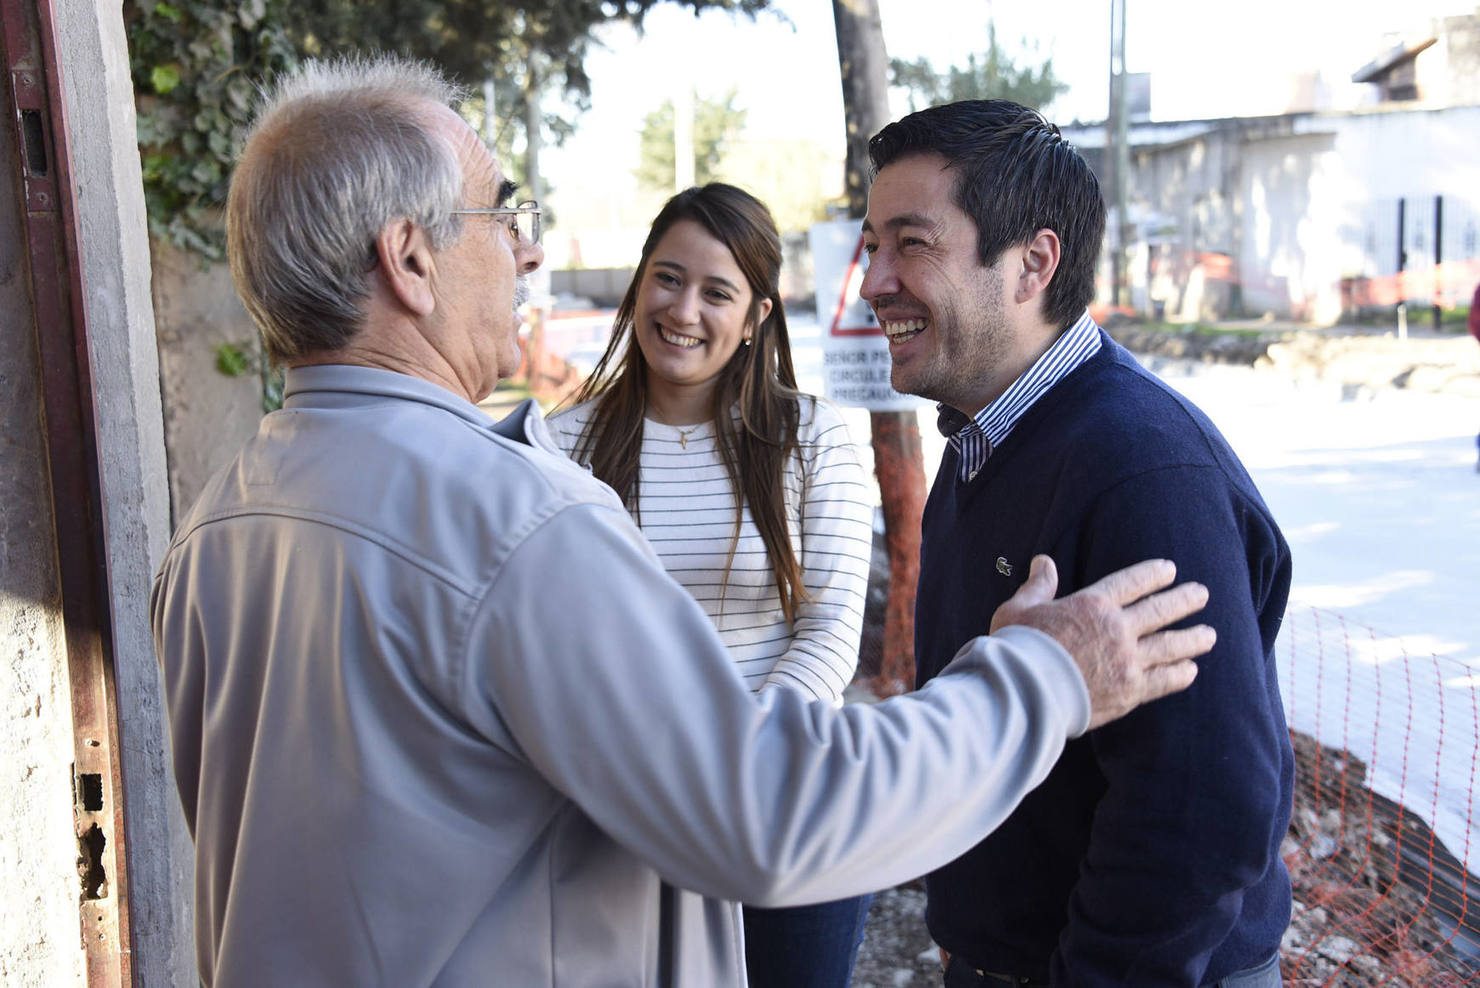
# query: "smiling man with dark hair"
1150,854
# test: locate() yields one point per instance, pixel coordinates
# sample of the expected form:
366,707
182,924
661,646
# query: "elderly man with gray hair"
439,716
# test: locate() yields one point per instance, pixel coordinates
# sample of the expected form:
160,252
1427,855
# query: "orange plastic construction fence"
1384,844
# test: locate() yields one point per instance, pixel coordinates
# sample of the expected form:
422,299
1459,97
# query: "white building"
1314,214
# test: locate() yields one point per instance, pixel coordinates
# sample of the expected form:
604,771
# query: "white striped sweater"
687,512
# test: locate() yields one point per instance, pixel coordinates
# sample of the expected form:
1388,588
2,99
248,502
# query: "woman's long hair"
758,379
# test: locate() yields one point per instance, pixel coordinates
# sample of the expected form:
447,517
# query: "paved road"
1379,498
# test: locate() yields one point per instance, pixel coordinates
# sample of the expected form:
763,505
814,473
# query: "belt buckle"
995,976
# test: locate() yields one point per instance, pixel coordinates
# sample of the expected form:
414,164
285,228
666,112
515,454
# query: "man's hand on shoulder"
1113,629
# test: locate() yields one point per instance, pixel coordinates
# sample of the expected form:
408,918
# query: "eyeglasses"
524,219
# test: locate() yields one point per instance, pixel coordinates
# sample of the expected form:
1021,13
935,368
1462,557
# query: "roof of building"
1395,57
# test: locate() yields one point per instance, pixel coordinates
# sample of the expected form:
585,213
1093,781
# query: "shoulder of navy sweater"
1112,416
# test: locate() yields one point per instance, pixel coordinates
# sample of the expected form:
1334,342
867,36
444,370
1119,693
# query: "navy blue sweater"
1150,855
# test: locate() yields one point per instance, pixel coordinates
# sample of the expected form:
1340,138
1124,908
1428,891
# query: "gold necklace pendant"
683,435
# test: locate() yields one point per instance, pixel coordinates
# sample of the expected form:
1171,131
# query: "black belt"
996,977
1008,979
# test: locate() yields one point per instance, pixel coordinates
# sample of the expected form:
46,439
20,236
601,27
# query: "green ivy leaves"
231,360
236,359
164,78
195,67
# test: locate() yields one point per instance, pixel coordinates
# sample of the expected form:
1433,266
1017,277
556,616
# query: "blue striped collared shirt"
974,438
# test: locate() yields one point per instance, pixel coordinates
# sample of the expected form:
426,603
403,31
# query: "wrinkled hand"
1112,628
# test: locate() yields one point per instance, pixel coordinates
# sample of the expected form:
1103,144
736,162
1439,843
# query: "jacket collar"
350,385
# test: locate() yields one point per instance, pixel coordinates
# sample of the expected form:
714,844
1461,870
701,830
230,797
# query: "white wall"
1286,245
39,935
1414,155
1303,202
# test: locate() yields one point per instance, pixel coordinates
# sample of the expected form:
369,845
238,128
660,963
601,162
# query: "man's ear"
1040,259
404,260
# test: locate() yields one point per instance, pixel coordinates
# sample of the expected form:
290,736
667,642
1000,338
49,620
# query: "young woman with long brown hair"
750,492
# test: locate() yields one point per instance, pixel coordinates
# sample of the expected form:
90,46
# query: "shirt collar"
349,386
324,385
974,437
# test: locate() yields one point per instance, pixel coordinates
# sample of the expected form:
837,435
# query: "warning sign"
855,354
852,316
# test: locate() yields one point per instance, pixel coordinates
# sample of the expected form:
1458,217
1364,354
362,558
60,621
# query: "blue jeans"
804,946
1266,975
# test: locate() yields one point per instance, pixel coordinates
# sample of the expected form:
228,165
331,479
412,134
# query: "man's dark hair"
1015,175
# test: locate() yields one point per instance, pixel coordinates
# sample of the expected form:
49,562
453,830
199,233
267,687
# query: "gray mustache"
521,291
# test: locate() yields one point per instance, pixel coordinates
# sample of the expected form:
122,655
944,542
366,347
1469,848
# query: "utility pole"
899,463
1117,152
